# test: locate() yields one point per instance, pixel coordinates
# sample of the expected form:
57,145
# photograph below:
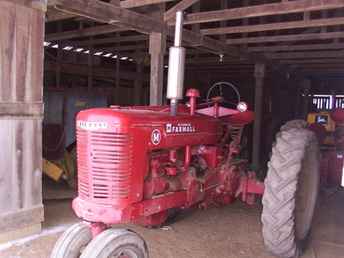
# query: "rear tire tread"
281,183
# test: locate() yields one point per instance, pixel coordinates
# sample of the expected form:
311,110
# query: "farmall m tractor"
139,164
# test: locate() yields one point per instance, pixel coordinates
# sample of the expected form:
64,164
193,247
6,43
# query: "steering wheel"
220,86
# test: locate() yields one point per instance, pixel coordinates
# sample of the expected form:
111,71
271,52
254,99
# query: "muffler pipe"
176,65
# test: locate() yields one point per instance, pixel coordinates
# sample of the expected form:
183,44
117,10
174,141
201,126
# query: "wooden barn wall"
21,109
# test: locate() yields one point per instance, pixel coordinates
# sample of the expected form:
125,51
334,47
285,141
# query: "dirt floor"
228,232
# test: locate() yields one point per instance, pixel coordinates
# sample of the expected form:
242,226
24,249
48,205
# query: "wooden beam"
107,13
98,72
316,70
310,55
294,37
126,48
190,37
54,15
40,5
88,32
136,3
290,48
314,61
274,26
110,14
215,60
323,72
263,10
111,40
318,66
181,6
285,58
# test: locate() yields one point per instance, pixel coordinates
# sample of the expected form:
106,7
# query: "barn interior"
58,57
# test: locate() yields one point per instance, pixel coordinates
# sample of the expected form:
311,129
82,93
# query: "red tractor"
139,164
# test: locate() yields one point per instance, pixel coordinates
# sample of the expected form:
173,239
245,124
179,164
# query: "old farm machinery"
137,164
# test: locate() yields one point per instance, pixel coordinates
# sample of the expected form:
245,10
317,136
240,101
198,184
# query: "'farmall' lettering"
180,128
92,126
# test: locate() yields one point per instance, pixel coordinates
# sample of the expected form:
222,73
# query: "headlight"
242,106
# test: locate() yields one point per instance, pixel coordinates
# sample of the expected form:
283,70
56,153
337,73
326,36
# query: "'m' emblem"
156,136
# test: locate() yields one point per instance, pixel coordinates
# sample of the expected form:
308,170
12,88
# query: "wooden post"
118,74
59,58
157,45
156,50
90,65
138,84
116,92
58,65
259,74
21,113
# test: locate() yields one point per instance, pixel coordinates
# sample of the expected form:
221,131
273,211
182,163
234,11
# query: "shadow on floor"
228,232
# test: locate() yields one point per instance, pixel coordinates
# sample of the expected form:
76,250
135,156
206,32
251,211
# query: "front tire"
291,190
116,243
72,242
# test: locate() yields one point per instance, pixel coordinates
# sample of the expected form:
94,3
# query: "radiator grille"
105,165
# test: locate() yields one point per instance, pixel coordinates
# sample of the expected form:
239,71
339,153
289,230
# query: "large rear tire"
291,190
72,242
116,243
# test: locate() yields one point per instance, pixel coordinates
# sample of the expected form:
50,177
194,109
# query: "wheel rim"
125,252
306,196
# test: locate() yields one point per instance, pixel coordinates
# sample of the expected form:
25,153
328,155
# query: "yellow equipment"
52,170
323,118
62,169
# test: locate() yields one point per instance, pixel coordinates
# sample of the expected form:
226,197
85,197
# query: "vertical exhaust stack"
176,66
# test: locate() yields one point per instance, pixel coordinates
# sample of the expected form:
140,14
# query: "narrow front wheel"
116,243
72,242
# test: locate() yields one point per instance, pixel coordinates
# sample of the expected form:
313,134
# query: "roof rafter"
110,14
88,32
54,15
293,37
181,6
275,26
284,7
308,54
135,3
114,15
289,48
